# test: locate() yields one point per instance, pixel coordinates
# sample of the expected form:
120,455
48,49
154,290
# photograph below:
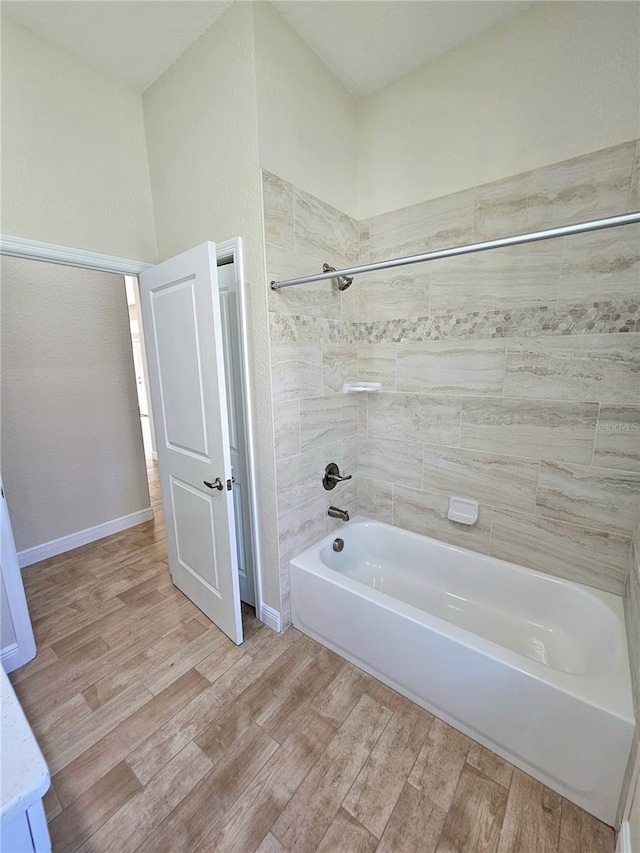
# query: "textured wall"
72,451
74,160
557,81
511,377
202,131
306,117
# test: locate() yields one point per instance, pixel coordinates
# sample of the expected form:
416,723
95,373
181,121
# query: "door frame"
35,250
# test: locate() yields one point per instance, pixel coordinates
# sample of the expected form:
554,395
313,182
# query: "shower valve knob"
332,476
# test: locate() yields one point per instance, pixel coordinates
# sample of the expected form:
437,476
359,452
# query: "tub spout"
342,514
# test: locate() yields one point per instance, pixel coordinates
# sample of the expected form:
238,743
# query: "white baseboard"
270,617
623,844
82,537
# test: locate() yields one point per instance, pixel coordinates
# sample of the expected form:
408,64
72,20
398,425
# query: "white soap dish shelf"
362,387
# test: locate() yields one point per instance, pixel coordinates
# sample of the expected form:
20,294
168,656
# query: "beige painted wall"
202,131
306,117
556,82
74,162
72,449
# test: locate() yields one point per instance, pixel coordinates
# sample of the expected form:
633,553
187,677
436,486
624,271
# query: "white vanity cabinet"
16,635
24,780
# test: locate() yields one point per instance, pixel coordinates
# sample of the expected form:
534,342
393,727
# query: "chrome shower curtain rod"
532,237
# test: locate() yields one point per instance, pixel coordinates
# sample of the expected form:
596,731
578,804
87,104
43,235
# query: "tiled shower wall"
313,342
511,377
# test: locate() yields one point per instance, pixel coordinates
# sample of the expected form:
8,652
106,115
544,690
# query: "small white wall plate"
463,511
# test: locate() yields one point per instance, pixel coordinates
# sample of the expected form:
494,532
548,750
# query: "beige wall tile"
349,302
285,592
323,231
600,266
386,461
514,279
319,299
296,370
618,438
634,189
426,513
451,367
431,225
300,528
344,496
277,203
594,497
538,429
415,417
592,557
485,477
375,500
604,368
363,407
350,455
286,425
363,239
339,364
395,294
299,478
377,363
327,419
574,190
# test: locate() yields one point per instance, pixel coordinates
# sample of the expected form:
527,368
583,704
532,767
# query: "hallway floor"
162,735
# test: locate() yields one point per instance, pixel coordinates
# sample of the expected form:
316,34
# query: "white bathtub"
533,667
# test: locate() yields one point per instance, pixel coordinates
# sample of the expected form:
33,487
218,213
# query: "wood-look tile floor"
162,735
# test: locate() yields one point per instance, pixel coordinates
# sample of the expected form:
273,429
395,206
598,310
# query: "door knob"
217,484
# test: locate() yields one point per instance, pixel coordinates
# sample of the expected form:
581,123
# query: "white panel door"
182,327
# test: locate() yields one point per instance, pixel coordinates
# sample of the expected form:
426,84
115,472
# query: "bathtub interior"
561,625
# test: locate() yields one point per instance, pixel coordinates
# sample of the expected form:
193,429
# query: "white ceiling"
131,41
366,43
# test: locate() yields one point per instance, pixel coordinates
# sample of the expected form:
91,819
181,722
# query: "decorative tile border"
293,328
587,319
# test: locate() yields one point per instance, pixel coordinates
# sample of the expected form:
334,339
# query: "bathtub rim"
609,691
